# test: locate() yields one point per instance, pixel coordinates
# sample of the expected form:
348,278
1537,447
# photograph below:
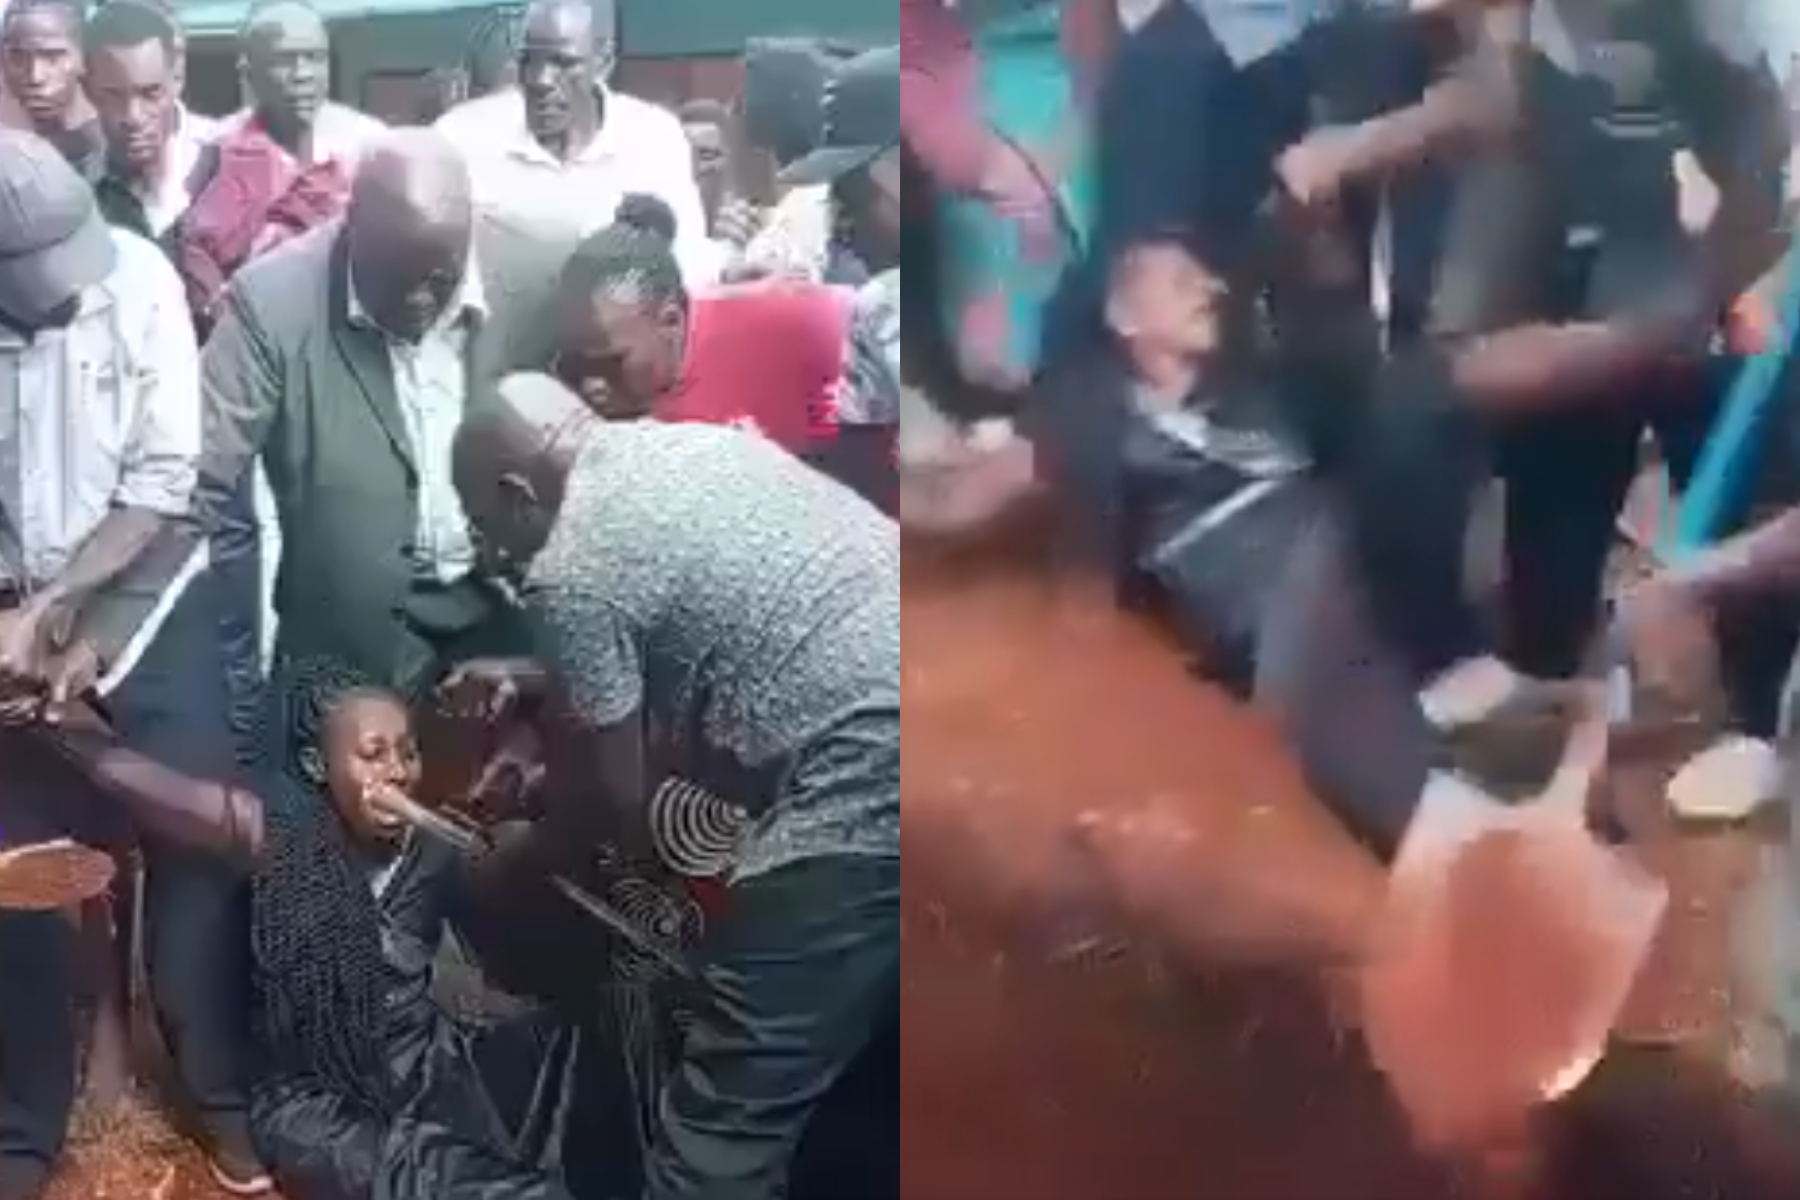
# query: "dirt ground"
134,1155
1032,1072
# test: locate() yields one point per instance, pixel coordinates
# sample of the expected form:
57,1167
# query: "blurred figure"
782,117
491,61
634,342
444,89
707,124
105,464
282,167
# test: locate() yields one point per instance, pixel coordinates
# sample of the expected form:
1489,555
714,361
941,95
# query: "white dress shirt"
103,413
640,148
193,134
431,383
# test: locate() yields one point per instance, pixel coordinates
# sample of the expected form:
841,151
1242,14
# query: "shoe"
1513,751
233,1162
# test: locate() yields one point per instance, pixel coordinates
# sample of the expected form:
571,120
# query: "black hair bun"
647,214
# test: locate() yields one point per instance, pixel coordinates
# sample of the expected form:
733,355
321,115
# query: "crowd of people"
555,421
583,425
1328,273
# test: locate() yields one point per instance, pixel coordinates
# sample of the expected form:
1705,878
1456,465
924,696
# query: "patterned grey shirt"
751,607
873,394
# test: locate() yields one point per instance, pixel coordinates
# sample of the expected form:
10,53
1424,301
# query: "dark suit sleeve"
240,389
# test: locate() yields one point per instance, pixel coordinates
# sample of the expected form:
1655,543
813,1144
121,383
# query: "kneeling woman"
368,1090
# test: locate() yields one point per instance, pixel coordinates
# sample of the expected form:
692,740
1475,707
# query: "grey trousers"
1347,703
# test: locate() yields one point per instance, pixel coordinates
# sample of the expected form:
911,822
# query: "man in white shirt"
99,443
566,148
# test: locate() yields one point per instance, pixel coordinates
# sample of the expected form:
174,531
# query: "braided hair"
626,259
315,929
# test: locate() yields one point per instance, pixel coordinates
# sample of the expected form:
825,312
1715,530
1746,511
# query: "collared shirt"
872,392
795,239
153,213
101,414
194,127
340,133
740,599
640,148
431,383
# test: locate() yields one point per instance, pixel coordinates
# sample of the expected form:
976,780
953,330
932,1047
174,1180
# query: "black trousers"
806,969
1567,476
173,709
1572,225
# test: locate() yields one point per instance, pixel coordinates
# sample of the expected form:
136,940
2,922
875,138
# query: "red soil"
1031,1072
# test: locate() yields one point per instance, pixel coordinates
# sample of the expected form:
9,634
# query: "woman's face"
619,353
369,747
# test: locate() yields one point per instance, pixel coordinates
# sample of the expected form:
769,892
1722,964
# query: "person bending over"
768,356
1573,312
702,584
369,1089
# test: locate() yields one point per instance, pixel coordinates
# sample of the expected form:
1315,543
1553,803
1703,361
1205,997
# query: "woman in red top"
772,356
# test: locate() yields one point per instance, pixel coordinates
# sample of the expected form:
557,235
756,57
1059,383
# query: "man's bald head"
411,226
413,176
512,457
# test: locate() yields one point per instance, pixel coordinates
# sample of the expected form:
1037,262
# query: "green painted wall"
681,28
648,28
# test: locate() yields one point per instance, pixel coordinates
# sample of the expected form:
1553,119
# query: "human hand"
1668,633
504,860
22,684
1313,171
489,689
70,675
510,781
739,221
